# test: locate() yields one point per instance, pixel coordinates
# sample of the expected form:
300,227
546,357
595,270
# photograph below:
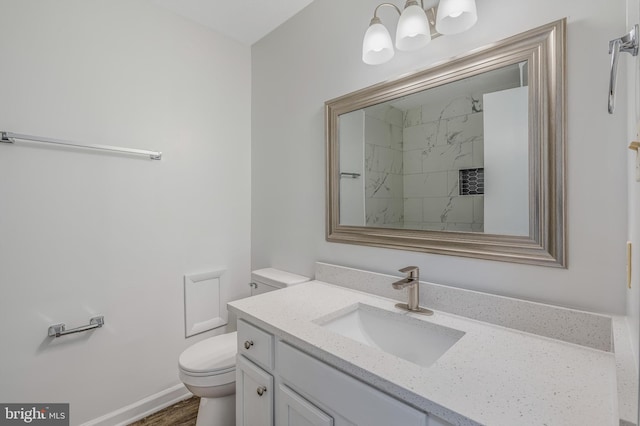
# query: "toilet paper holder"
58,330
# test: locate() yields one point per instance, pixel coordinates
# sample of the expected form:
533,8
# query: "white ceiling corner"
246,21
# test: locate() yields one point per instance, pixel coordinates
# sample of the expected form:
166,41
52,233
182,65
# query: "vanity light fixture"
416,27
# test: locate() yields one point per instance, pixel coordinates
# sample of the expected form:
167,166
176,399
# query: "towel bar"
58,330
9,137
350,174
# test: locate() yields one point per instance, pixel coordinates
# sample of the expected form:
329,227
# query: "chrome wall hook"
629,44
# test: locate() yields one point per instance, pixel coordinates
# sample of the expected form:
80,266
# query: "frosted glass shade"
456,16
377,47
413,29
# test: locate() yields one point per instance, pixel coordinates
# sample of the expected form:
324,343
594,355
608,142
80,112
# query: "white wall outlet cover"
205,301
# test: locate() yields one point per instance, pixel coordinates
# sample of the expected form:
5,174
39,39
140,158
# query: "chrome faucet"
412,281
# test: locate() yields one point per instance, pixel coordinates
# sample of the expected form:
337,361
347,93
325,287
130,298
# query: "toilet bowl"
208,368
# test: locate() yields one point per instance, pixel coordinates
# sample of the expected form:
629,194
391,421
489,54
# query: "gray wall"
85,233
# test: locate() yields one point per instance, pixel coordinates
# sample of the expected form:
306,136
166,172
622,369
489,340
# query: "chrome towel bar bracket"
629,44
58,330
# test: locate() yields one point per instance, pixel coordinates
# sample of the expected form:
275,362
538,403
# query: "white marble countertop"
492,376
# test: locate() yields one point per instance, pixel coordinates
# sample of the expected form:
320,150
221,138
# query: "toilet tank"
269,279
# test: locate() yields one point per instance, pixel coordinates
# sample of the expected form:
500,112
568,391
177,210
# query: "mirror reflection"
465,158
451,158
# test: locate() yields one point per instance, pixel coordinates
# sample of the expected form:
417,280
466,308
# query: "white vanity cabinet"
348,400
279,384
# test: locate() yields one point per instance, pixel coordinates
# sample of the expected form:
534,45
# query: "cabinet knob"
248,344
261,390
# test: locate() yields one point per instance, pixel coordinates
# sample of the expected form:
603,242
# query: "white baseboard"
143,408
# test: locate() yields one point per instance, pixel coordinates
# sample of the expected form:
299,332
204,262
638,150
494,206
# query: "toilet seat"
210,357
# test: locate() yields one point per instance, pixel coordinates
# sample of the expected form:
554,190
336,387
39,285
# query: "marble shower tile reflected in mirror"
415,147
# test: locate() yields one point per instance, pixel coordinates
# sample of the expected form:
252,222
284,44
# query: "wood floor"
183,413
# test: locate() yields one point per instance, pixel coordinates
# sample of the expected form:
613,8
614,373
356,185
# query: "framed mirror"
466,158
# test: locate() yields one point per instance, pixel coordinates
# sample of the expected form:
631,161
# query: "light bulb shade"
377,47
413,29
456,16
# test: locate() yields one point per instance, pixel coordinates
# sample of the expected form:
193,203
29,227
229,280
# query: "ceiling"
246,21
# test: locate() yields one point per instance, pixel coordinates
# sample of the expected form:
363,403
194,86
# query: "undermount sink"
411,339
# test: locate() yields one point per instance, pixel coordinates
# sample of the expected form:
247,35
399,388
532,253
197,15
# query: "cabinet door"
293,410
254,395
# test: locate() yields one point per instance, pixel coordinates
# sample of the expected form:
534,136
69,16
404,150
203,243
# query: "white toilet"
208,368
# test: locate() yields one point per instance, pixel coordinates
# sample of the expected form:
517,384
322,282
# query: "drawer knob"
261,390
248,344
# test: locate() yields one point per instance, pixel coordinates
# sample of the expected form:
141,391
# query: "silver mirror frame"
544,49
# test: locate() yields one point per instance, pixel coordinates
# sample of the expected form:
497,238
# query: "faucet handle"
413,271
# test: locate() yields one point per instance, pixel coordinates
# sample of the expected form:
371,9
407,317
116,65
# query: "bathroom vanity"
322,354
298,386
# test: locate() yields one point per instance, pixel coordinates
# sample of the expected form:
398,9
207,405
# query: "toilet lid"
210,356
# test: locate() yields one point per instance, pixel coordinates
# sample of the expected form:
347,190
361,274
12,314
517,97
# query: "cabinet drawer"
358,403
255,344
